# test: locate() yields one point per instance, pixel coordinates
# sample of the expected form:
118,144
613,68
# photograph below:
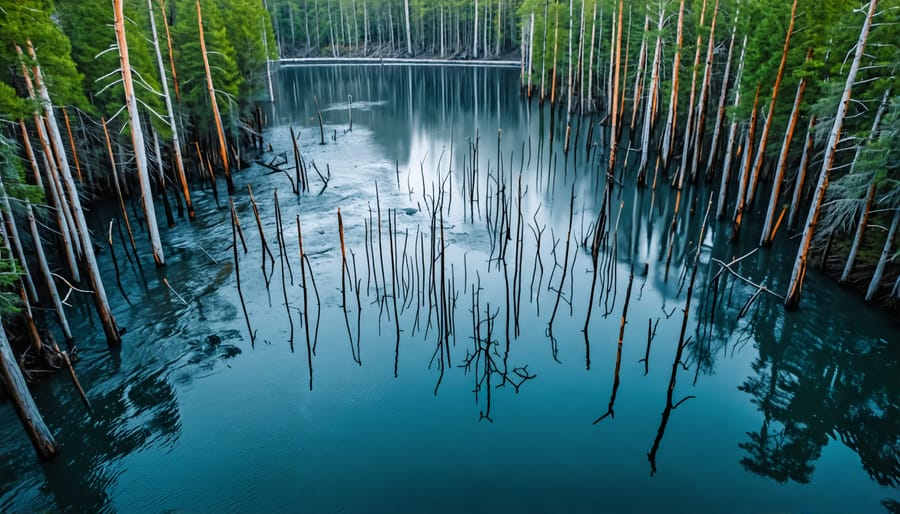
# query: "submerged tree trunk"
614,139
745,170
217,117
672,118
792,298
700,117
23,403
687,139
870,192
137,137
882,261
176,145
723,97
650,103
88,258
801,173
768,231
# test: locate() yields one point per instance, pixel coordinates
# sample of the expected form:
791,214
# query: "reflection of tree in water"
810,387
136,411
810,390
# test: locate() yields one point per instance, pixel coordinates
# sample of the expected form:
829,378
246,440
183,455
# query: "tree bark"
700,117
745,170
672,118
767,234
88,258
137,137
720,112
870,192
408,33
882,261
801,173
760,151
23,403
220,132
650,104
687,138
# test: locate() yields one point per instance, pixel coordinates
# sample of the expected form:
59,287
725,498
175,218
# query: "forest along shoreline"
801,125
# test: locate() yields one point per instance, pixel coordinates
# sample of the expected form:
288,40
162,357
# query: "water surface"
769,412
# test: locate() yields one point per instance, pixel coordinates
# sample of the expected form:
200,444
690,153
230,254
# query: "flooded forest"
450,256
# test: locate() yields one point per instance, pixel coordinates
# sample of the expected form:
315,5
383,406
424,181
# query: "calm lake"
437,384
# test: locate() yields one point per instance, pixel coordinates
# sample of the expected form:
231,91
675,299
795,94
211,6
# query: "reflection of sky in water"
190,417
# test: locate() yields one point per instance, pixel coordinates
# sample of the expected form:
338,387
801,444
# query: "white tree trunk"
176,145
587,94
652,94
23,403
720,111
792,298
870,192
687,139
408,32
137,137
48,277
475,31
882,261
801,173
767,233
672,118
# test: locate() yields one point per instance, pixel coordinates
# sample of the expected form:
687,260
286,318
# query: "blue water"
788,412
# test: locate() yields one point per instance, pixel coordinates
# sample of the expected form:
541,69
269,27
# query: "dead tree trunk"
23,403
700,117
672,118
176,145
48,277
870,193
687,138
137,137
760,151
614,139
15,241
650,103
792,298
801,173
745,170
217,117
720,111
768,233
88,258
882,261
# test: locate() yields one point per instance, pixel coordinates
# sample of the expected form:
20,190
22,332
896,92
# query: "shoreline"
393,61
